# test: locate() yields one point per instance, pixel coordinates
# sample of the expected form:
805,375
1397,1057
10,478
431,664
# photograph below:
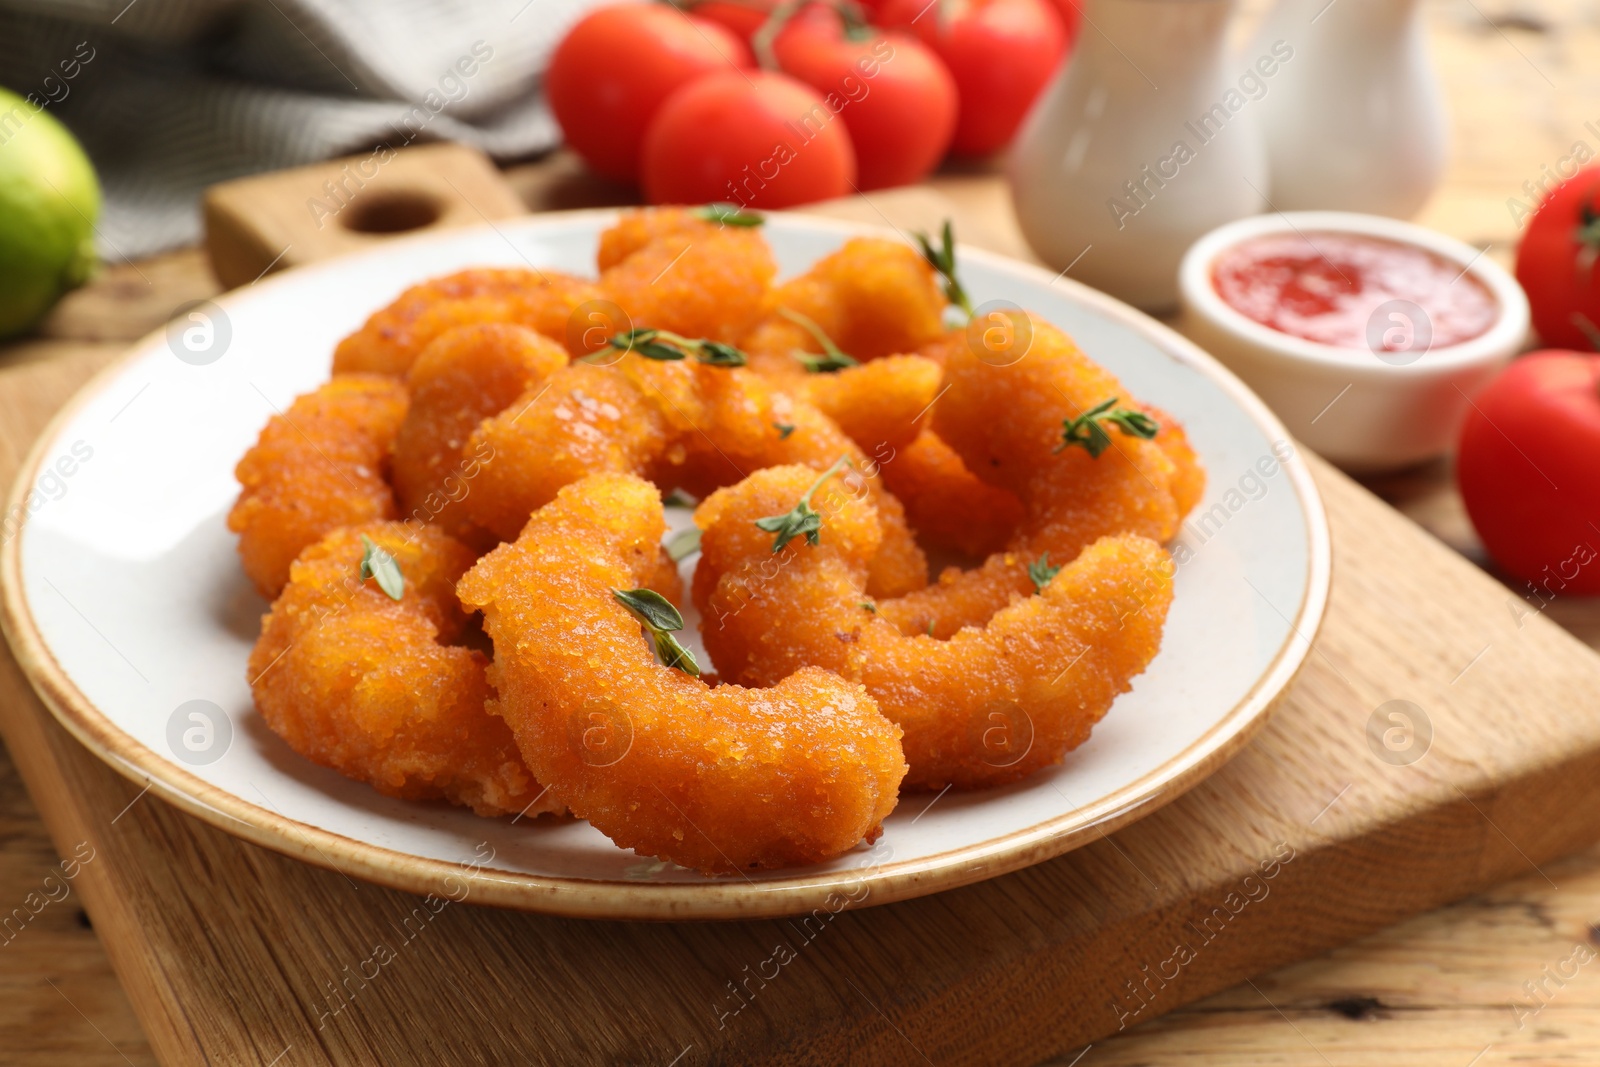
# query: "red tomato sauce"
1326,287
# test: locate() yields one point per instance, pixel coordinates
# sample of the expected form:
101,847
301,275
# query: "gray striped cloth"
169,96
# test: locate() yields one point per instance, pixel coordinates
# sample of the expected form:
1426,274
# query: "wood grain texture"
272,222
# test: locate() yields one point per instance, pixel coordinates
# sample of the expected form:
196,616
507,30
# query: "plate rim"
726,900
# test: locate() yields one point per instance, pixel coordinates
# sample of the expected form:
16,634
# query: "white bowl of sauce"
1367,336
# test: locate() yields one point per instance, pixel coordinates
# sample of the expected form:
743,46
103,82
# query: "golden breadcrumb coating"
317,466
987,706
694,278
680,424
372,687
881,405
1005,421
747,424
543,301
1189,480
945,503
720,779
463,377
582,420
635,229
872,298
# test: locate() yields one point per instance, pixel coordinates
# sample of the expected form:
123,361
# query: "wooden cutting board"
231,953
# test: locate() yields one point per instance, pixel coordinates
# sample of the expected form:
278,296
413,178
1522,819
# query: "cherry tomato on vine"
751,138
1527,472
1000,52
894,95
1558,263
612,72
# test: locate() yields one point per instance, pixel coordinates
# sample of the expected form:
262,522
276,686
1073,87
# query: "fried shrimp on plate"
320,465
717,778
373,687
989,705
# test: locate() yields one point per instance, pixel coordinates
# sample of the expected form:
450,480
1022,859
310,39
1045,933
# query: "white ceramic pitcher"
1146,140
1357,122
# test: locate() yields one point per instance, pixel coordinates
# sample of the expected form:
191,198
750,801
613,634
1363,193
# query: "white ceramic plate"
125,603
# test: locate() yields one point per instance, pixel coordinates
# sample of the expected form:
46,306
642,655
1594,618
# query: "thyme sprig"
802,519
1040,572
833,357
661,620
683,544
1089,429
943,260
666,347
728,214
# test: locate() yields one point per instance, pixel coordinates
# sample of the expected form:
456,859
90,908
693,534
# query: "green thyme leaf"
377,563
802,520
674,655
684,543
1040,572
665,346
1089,431
650,607
815,364
660,620
729,214
718,354
943,260
784,430
833,357
868,605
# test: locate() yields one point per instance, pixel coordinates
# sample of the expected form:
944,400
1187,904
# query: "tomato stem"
763,40
851,16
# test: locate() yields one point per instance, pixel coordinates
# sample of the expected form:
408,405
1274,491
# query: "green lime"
49,201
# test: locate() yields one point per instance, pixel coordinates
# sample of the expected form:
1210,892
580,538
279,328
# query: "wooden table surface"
1480,982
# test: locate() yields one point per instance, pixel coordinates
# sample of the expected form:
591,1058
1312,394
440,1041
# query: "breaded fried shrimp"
946,503
392,337
987,706
872,298
750,425
720,779
679,273
636,229
371,686
1006,421
582,420
682,425
317,466
879,405
463,377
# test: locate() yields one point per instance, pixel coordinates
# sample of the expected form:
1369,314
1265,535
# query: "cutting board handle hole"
392,212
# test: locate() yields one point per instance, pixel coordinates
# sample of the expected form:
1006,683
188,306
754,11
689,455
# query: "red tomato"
1001,53
1556,263
894,96
1528,475
743,17
758,139
1071,18
610,75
